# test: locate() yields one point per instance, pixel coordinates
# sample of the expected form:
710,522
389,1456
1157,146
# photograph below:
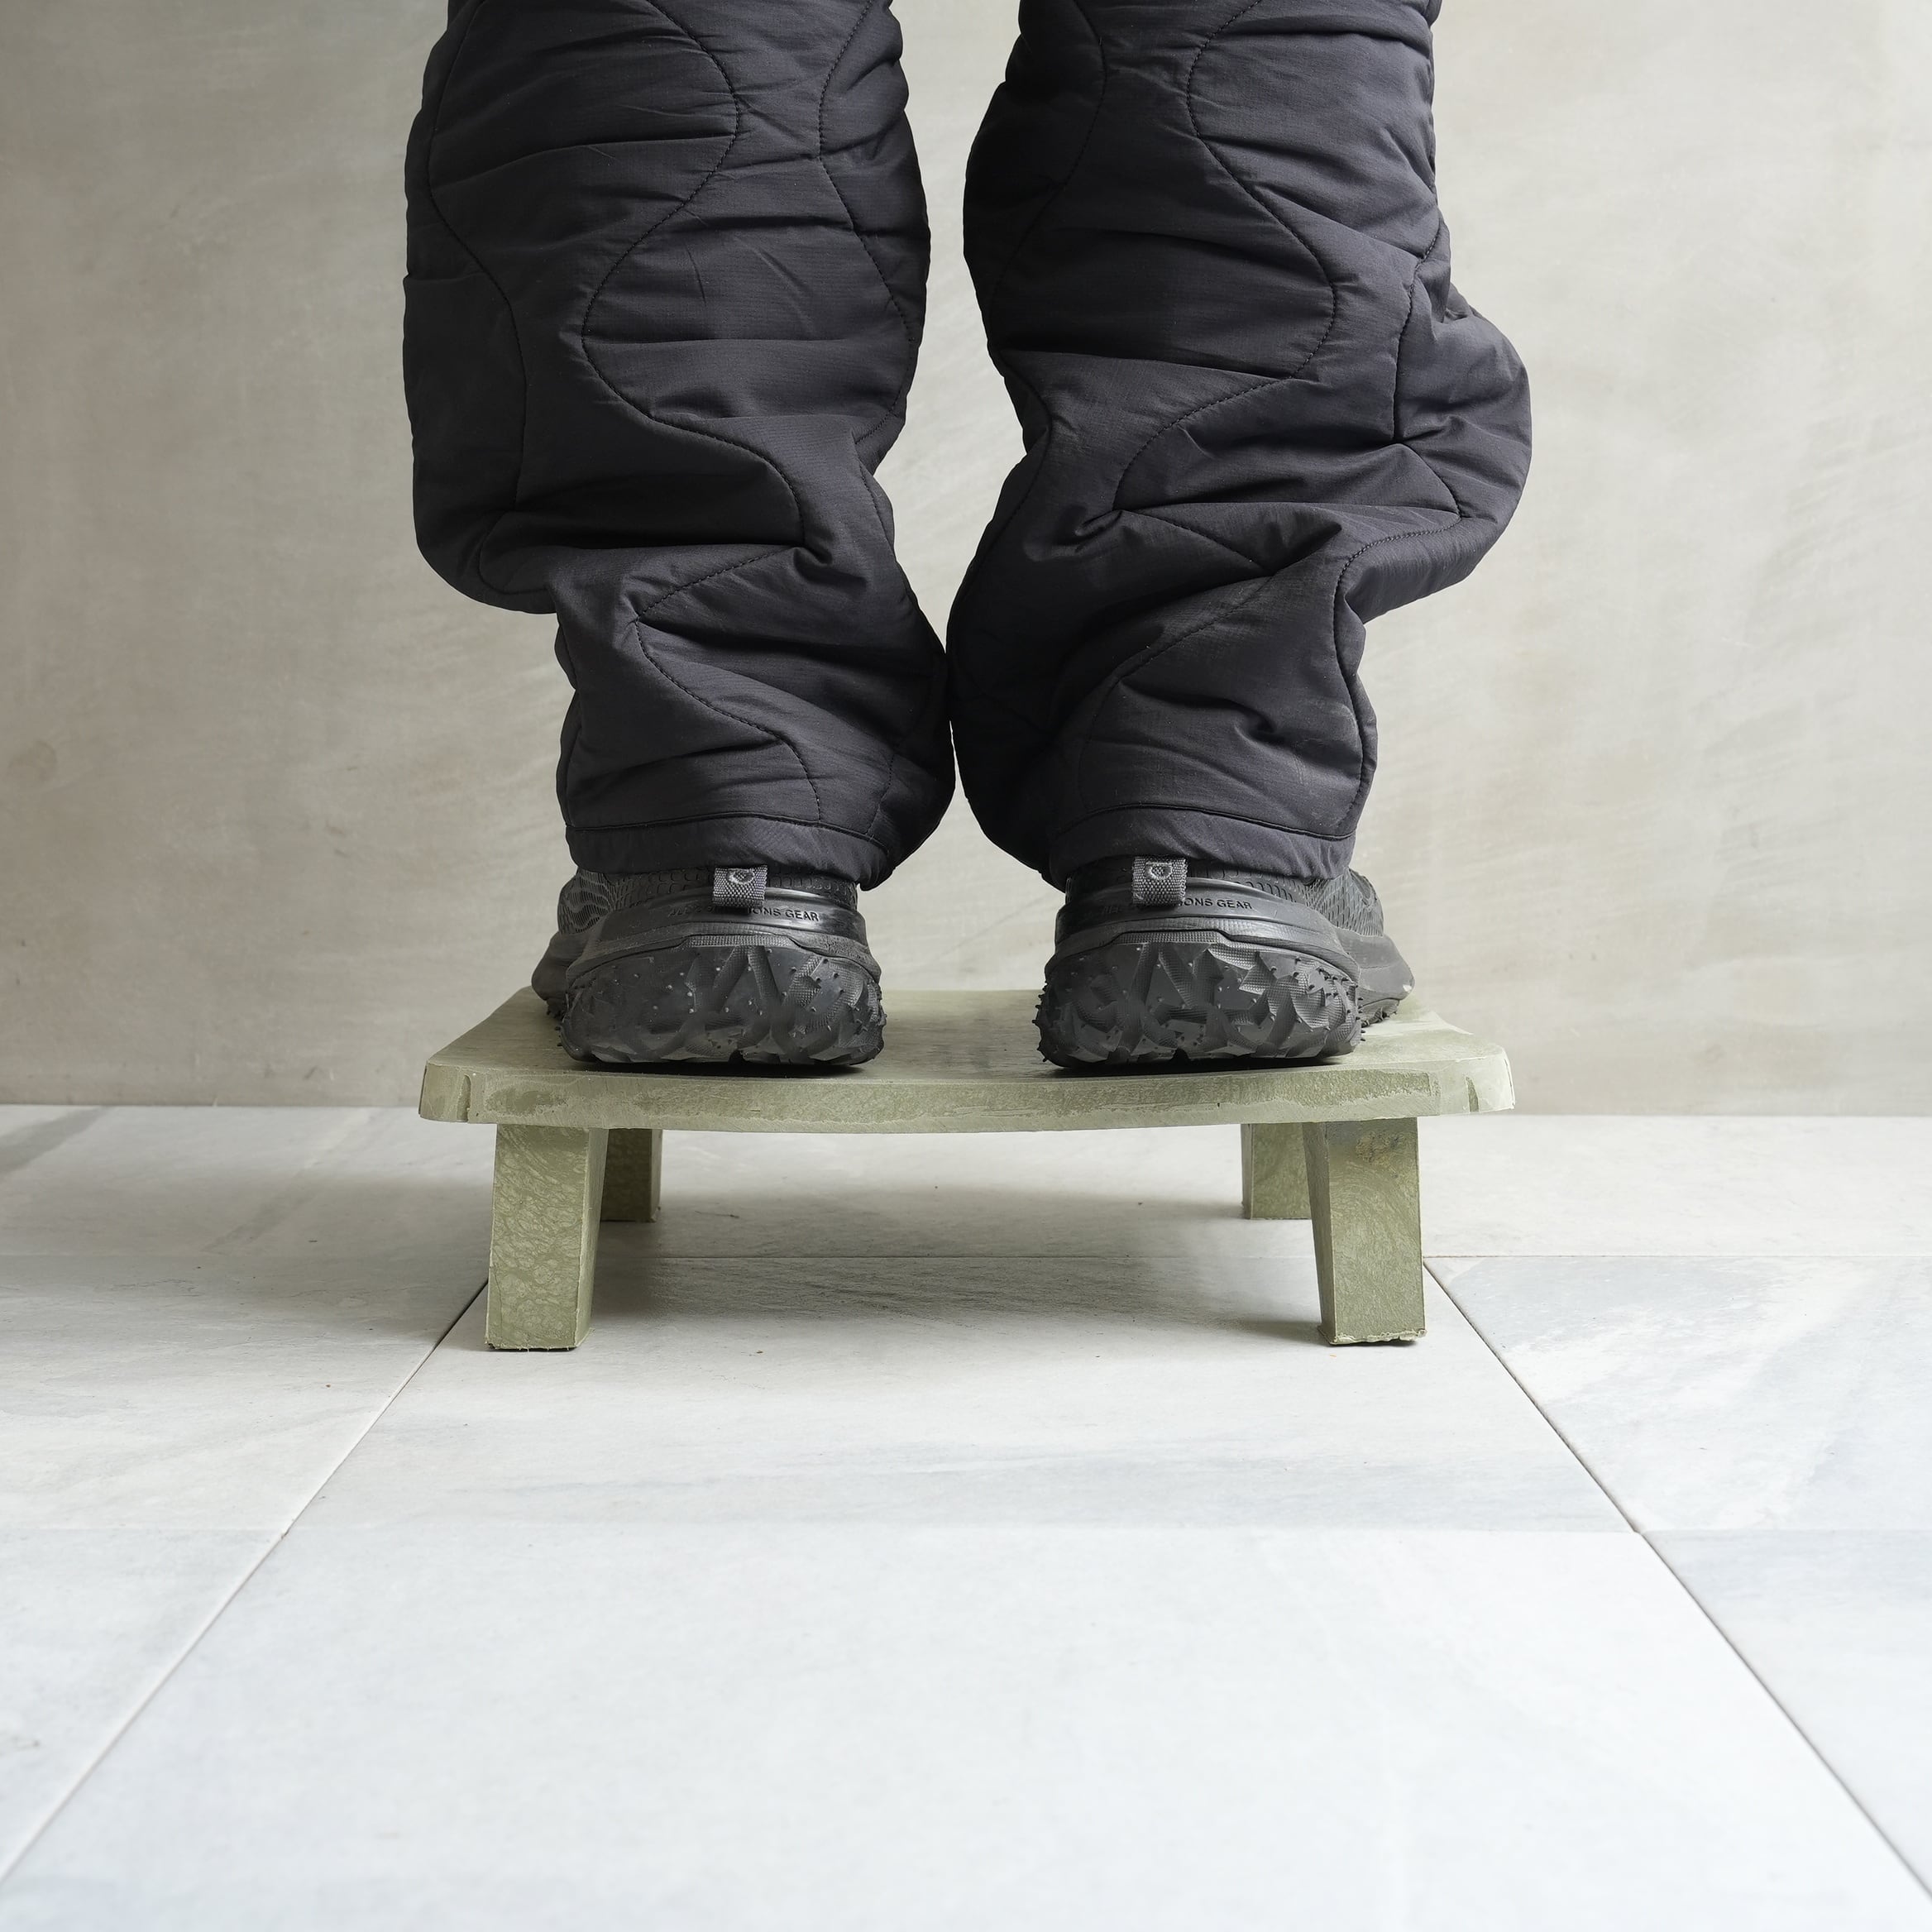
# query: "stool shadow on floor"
1165,1289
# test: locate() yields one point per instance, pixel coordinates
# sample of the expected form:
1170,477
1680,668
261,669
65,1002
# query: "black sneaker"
1154,964
735,964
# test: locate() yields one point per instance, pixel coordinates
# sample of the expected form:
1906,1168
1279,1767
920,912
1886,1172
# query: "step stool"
1334,1143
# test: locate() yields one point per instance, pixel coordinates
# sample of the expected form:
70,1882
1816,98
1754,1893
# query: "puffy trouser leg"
666,281
1205,241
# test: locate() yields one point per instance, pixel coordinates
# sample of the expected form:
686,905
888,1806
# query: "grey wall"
274,806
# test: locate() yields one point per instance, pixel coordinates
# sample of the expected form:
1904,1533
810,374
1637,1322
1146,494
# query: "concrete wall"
274,805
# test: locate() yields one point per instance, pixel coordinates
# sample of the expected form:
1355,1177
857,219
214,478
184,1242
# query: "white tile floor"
965,1533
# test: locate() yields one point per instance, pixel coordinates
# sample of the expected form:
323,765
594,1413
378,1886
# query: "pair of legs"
667,266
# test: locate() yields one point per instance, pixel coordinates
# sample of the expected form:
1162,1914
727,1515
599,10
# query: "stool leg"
634,1174
1367,1212
544,1210
1274,1173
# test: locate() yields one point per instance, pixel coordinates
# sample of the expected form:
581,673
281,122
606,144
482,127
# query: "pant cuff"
830,849
1199,837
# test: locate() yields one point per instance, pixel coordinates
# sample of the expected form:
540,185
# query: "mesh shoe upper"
1348,901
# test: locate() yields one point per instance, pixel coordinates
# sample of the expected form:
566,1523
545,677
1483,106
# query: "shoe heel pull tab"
1159,882
738,888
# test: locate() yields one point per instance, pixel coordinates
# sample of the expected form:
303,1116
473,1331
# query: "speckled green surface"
1334,1143
634,1174
543,1214
1275,1175
1363,1187
954,1063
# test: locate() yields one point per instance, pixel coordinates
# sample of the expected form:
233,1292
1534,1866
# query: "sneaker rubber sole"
1142,1003
721,1001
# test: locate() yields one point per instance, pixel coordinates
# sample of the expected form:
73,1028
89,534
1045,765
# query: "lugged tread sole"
761,1005
1145,1002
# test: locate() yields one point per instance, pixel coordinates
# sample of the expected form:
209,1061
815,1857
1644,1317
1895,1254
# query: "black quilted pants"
667,262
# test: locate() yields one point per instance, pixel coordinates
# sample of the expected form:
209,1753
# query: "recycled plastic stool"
1334,1143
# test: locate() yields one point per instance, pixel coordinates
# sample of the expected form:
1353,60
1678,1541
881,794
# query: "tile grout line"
1730,1642
215,1615
1918,1253
1188,1252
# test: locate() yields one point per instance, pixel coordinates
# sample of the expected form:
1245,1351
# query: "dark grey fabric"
1207,248
666,277
667,268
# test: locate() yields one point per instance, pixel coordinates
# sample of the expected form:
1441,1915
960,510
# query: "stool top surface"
954,1062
